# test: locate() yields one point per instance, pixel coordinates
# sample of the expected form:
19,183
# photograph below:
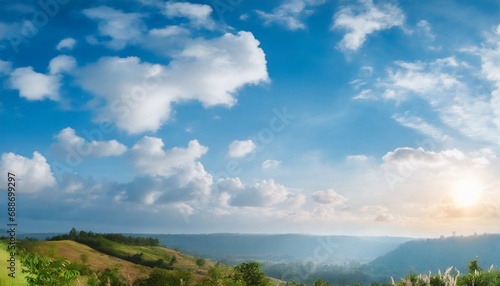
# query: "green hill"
424,255
114,259
99,261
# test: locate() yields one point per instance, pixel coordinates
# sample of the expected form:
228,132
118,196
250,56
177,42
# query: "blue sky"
296,116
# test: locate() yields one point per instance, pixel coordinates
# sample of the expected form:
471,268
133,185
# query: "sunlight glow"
467,191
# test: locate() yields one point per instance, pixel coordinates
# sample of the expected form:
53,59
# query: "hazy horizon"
352,117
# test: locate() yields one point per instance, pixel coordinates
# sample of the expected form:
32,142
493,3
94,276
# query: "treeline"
81,236
107,244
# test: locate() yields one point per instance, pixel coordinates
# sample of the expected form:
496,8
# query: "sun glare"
467,192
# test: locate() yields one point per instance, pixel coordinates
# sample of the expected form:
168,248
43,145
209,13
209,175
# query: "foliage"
244,274
173,260
201,262
251,274
474,266
475,277
160,277
220,275
320,282
43,271
109,277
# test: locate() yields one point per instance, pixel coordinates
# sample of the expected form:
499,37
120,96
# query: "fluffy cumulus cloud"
149,157
62,64
39,86
240,149
66,44
364,19
266,193
412,159
328,197
33,85
123,28
198,14
69,143
32,175
171,178
138,96
290,13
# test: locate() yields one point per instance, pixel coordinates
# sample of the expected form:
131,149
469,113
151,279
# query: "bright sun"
467,192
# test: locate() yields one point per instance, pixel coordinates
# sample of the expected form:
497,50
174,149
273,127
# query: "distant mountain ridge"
281,247
424,255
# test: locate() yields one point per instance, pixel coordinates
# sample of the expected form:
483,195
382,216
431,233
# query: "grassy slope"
99,261
4,279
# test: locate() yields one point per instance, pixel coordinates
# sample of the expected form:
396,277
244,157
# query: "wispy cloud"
364,19
290,14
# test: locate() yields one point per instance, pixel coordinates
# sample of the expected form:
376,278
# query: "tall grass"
452,277
5,280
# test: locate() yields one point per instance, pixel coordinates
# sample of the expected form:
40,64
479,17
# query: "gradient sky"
298,116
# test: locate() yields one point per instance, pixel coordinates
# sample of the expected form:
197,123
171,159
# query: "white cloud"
61,64
149,157
173,175
290,13
122,28
198,14
239,149
425,28
421,126
169,31
33,85
69,142
407,161
32,175
419,155
138,96
66,44
263,194
270,164
364,19
449,88
357,158
328,197
38,86
490,68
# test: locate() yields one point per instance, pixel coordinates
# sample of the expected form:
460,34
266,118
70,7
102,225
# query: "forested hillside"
424,255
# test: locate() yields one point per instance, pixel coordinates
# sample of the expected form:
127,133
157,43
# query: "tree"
173,260
251,274
72,234
42,271
474,266
111,277
220,275
320,282
200,262
160,277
